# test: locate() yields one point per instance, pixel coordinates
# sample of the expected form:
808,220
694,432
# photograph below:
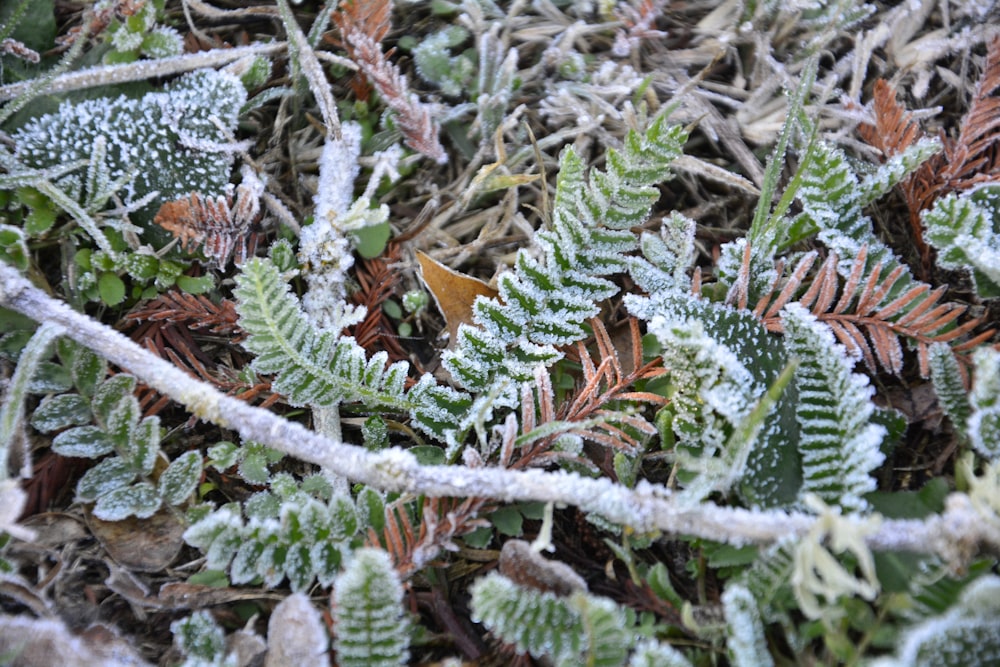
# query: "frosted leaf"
179,480
140,500
839,444
148,140
744,628
650,653
968,634
296,634
198,636
368,611
83,441
983,426
106,476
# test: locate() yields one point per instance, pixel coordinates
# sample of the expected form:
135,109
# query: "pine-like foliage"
968,634
164,141
369,623
838,442
311,368
545,303
949,385
577,630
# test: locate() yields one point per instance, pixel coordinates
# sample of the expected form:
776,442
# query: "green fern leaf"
963,229
984,423
968,634
312,368
545,304
371,629
577,630
839,442
651,653
947,378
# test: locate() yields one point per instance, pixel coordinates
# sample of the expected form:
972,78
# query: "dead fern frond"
196,312
870,314
441,521
362,27
222,226
968,161
584,414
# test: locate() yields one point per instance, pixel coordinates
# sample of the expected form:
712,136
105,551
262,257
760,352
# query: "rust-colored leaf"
455,293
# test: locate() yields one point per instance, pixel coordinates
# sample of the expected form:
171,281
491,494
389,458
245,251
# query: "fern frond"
545,303
584,414
744,628
441,521
962,228
950,386
310,368
983,425
371,629
871,311
838,442
580,629
965,635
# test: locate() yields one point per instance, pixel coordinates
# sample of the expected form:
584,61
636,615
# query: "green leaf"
508,521
111,288
371,508
14,247
196,285
106,476
60,411
372,628
370,241
85,441
140,500
112,392
223,455
178,481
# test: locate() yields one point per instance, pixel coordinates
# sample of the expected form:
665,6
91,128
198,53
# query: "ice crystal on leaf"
963,229
747,645
165,142
546,303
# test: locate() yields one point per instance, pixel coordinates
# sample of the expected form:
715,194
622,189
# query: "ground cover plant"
616,333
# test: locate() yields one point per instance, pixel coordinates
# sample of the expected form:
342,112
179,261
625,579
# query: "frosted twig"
312,70
955,535
106,75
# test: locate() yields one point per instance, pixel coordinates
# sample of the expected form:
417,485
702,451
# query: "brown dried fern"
971,159
603,382
363,25
869,314
441,521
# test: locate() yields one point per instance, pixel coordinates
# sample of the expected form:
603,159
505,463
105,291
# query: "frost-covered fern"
838,442
545,303
311,367
963,228
968,634
577,630
983,424
299,531
165,142
369,623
